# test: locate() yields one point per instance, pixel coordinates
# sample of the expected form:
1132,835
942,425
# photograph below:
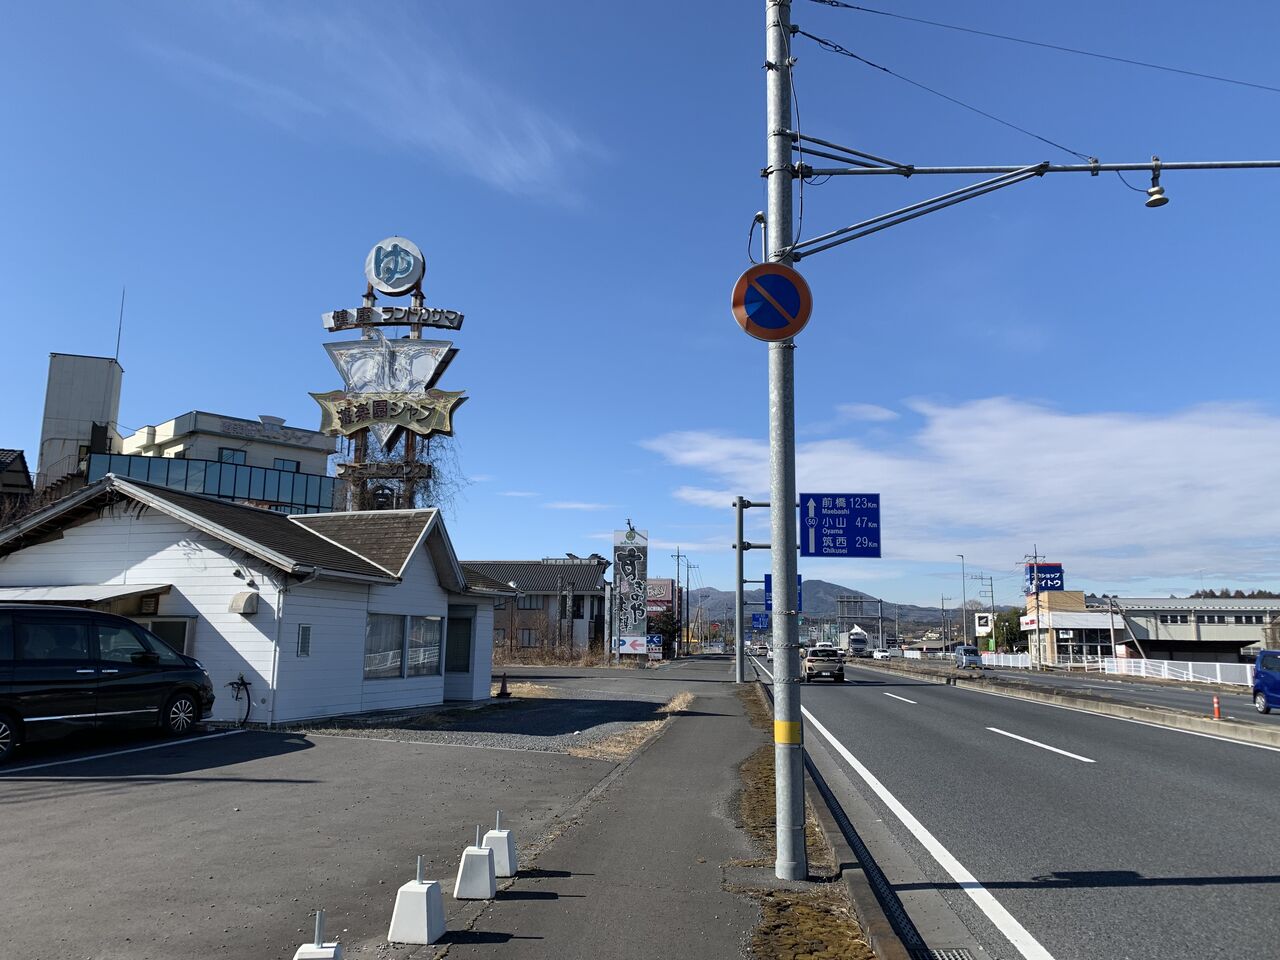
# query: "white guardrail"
1236,674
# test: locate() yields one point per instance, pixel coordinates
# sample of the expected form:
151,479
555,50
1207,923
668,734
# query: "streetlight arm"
1092,168
886,220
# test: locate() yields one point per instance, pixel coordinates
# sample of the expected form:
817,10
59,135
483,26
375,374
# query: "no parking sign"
772,302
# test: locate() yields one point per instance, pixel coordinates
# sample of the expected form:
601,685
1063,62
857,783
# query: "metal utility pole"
739,668
946,634
792,862
964,602
1035,559
676,607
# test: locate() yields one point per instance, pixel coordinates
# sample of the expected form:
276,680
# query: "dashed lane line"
1042,746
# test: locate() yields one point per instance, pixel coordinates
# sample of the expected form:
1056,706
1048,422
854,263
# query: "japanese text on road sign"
840,525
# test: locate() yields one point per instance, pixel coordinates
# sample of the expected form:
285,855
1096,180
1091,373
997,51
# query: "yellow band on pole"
786,731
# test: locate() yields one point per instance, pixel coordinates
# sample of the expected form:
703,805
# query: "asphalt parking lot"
143,849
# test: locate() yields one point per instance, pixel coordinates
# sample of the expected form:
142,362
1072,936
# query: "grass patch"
808,926
622,745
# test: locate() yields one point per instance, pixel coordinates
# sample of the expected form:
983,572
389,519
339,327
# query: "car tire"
180,714
1260,702
8,737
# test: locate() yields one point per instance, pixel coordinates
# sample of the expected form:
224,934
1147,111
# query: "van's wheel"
1260,702
180,714
8,737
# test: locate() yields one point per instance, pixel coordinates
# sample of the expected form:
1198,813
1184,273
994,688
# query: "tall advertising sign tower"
389,401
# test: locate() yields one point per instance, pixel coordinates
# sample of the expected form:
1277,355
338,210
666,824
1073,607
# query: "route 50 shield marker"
772,302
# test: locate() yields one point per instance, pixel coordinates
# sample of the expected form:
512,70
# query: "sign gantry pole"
792,861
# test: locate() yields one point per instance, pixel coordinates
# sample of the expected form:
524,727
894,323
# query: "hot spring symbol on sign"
395,266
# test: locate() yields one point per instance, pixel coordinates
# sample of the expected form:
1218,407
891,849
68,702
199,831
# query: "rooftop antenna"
120,325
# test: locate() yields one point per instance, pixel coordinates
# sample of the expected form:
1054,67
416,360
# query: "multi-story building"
258,461
559,602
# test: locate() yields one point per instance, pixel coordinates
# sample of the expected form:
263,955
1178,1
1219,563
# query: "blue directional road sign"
840,525
759,621
768,593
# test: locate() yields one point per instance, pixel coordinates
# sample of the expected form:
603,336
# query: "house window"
383,646
531,602
288,466
526,638
577,606
500,603
424,646
228,455
304,639
499,635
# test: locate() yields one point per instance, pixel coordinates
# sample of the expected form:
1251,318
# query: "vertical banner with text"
630,579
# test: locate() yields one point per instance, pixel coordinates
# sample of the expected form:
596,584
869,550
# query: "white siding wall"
327,682
122,547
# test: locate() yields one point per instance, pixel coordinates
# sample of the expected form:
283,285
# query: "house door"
457,653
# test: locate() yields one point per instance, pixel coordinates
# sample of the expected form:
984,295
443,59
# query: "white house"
323,614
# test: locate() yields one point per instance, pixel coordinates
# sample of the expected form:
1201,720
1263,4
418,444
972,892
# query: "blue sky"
1053,364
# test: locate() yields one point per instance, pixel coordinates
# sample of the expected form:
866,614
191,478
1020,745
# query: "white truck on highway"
855,642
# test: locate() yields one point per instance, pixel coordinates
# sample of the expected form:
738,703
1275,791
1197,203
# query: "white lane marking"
119,753
1024,942
896,697
766,672
1042,746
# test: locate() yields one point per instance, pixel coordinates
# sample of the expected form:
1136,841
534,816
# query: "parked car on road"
64,670
823,662
968,657
1266,681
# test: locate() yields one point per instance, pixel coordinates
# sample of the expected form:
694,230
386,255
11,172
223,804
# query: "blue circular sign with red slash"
771,301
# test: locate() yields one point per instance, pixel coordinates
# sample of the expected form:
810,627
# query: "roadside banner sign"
768,593
759,621
840,525
1050,574
772,302
638,645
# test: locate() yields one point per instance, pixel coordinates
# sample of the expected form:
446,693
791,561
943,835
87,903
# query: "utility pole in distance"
792,862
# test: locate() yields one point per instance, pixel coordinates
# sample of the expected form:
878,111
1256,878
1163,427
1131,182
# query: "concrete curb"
875,923
1159,716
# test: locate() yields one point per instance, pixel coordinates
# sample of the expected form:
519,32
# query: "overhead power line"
1050,46
832,47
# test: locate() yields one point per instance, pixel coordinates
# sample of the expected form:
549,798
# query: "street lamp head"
1155,195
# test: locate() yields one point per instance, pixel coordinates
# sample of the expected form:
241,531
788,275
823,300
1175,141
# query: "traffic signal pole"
792,861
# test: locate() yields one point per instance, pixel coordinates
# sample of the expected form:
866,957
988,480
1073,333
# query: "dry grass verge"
622,745
794,925
808,926
524,690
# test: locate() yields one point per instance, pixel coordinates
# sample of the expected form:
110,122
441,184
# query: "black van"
65,669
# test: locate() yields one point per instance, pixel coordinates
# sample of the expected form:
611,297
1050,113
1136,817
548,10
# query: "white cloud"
575,505
329,69
517,493
869,412
1113,495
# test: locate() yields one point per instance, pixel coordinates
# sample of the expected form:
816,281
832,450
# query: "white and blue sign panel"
759,621
768,593
1051,577
840,525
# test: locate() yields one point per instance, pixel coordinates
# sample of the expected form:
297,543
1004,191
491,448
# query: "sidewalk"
639,874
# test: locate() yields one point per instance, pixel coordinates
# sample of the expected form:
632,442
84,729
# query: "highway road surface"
1049,833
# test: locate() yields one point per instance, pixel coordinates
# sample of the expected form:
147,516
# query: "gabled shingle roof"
387,537
541,576
478,581
8,456
270,536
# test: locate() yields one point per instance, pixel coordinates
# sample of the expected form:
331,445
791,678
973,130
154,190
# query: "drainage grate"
941,953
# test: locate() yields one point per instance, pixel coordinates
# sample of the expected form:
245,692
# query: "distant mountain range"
818,599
